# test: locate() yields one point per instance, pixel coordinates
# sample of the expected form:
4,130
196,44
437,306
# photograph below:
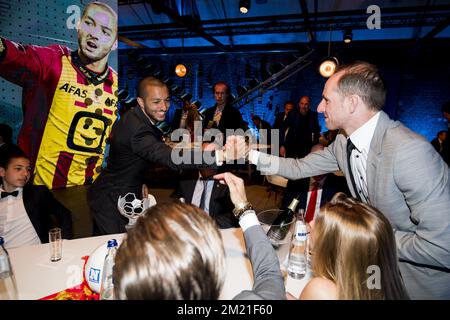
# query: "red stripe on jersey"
107,111
89,172
62,169
107,87
26,65
80,104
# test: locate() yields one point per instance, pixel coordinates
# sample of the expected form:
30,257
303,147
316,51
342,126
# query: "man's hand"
236,186
235,148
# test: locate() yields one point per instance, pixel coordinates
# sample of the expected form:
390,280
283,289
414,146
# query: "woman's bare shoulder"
319,289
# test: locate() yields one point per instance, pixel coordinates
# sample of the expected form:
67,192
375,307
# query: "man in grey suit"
391,168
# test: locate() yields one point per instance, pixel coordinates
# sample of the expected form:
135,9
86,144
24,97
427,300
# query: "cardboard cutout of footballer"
69,98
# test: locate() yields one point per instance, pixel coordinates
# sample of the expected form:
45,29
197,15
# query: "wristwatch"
240,208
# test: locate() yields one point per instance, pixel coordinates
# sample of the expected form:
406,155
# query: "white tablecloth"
37,277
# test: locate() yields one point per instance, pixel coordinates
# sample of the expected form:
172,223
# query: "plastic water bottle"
297,263
107,288
8,287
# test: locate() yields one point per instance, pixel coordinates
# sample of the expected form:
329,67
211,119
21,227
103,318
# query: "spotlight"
244,6
180,70
348,35
328,67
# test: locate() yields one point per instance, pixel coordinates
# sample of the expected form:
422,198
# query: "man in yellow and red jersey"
69,99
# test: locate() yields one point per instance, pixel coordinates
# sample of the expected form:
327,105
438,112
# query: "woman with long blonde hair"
354,254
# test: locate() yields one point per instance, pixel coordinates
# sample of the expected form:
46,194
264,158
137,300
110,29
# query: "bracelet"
240,208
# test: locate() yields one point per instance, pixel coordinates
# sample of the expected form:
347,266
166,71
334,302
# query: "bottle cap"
112,243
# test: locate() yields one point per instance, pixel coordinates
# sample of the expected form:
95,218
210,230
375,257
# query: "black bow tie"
5,194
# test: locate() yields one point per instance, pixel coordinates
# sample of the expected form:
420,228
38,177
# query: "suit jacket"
45,212
409,182
231,118
303,133
135,144
280,124
220,205
268,283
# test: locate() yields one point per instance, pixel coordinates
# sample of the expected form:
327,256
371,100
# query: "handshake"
236,148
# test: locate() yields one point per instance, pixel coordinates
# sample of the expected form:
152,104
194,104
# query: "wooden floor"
258,193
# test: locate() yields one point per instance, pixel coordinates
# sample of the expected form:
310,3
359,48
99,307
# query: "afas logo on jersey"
73,90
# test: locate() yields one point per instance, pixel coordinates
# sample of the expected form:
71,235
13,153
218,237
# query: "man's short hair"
148,81
441,133
174,251
227,87
9,152
99,4
363,79
289,102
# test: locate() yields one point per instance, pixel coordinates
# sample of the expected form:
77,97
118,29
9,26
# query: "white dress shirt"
15,225
362,138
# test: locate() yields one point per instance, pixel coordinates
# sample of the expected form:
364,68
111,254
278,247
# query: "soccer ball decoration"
132,208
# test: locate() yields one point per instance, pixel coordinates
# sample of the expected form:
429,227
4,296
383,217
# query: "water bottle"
281,224
107,288
297,263
8,287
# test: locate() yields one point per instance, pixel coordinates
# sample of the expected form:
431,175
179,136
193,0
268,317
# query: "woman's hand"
236,185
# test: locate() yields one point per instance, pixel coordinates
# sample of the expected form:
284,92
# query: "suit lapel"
190,187
217,192
374,155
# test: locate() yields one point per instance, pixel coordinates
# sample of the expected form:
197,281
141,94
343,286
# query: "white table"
37,277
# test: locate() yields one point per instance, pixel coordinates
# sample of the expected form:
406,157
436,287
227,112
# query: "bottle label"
300,231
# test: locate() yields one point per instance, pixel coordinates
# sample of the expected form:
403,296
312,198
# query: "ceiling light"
244,6
328,67
329,64
348,35
180,70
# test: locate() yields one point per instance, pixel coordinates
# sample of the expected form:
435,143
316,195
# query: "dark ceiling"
187,26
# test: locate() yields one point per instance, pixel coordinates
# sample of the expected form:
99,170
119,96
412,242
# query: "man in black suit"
439,142
263,128
136,142
280,118
27,212
198,188
223,115
303,131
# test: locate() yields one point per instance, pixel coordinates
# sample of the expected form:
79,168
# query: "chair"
276,184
